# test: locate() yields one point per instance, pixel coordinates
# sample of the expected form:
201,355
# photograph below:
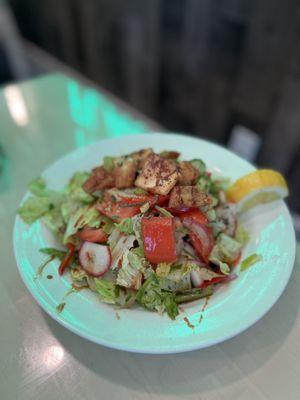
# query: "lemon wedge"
258,187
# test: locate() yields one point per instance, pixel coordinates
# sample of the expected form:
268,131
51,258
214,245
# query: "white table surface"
39,122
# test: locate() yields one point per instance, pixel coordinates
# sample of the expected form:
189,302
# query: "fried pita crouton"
100,179
188,196
124,175
140,156
158,175
187,173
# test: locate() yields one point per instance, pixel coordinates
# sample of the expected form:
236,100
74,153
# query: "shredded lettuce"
139,251
107,290
126,226
137,228
38,187
83,216
188,267
217,257
251,260
163,269
226,250
54,221
229,247
34,208
78,275
108,224
130,274
152,297
135,260
74,188
45,203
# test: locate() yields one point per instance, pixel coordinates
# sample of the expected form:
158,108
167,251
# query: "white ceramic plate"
230,311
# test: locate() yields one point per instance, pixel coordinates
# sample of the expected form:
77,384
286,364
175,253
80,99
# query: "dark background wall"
200,66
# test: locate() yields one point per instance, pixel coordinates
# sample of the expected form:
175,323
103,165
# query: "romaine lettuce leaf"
37,187
83,216
152,297
54,221
34,208
74,188
126,226
163,269
107,290
78,275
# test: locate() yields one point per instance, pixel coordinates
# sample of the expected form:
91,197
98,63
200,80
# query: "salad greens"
251,260
145,228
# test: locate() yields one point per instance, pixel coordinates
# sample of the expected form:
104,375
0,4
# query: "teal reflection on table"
96,117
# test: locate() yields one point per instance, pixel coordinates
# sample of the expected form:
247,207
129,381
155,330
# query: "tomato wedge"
95,235
196,214
159,240
159,200
66,261
117,211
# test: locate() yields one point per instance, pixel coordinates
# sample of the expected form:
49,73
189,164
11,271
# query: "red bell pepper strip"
66,261
159,240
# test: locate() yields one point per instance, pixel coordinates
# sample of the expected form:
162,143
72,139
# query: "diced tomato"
117,211
196,214
96,235
160,200
66,261
213,281
159,240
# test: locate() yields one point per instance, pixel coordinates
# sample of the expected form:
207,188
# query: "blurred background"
225,70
